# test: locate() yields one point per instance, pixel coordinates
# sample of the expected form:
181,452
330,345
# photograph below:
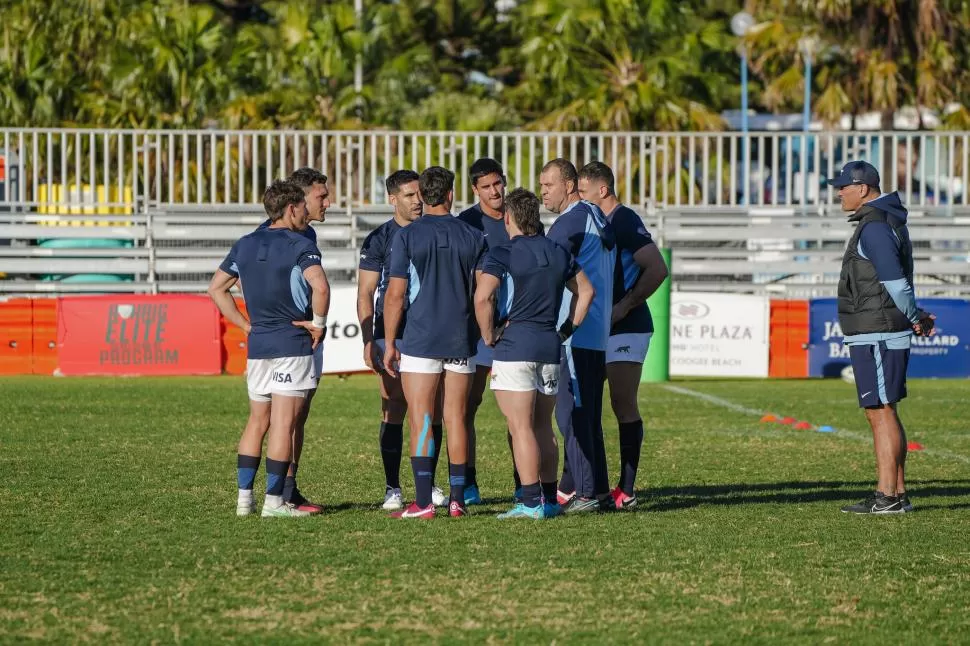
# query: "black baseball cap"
857,172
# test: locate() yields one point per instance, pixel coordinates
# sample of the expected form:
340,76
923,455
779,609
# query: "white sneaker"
393,500
245,505
438,497
274,507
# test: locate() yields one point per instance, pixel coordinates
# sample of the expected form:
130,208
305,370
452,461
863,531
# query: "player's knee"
395,410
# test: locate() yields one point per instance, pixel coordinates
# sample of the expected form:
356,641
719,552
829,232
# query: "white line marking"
738,408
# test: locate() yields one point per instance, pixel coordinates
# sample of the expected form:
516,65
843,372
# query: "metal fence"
77,170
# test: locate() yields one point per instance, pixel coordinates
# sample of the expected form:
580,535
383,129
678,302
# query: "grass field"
118,525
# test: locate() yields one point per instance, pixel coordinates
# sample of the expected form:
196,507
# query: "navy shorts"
880,373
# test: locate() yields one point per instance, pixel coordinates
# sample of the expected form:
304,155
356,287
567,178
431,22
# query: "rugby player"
433,262
372,281
529,276
283,278
314,185
640,270
488,216
583,230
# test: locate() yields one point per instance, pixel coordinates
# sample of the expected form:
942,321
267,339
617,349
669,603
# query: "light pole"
359,61
806,45
741,23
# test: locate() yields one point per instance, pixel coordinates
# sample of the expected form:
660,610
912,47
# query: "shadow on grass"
673,498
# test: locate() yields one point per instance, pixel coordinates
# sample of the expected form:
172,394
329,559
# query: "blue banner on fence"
946,354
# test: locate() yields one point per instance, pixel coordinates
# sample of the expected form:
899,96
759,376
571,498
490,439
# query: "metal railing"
78,170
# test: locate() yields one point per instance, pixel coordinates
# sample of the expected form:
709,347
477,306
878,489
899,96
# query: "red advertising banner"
138,335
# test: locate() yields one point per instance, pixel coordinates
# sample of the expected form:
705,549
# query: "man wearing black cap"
878,315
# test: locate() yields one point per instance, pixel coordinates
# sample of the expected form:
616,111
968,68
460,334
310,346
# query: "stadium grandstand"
154,211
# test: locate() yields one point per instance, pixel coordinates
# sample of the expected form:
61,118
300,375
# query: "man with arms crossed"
583,231
488,216
529,276
283,280
372,279
433,263
314,185
640,270
878,315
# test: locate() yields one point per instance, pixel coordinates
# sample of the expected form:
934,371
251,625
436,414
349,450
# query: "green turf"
117,517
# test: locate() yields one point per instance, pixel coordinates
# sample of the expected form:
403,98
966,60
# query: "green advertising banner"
657,365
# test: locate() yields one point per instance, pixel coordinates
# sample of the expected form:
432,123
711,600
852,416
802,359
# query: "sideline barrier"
656,367
718,335
788,339
138,335
946,354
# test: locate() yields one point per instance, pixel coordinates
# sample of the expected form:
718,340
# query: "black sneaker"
581,505
877,503
905,502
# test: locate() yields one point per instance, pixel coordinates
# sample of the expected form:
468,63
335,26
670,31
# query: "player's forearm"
365,315
653,276
581,304
226,305
485,315
320,298
393,308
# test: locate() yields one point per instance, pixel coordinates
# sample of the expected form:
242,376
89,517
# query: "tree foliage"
466,64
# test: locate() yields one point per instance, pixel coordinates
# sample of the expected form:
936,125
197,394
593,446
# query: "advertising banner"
138,335
718,335
945,354
343,351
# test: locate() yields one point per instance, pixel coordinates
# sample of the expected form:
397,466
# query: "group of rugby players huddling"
444,301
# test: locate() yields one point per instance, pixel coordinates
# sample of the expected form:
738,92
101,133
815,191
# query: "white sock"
245,494
273,501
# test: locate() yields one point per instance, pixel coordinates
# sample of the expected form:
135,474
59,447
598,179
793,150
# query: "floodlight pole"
806,118
744,125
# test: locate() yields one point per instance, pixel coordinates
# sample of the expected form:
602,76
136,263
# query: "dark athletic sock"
392,442
549,492
421,466
531,495
246,468
275,476
436,433
471,477
631,439
456,479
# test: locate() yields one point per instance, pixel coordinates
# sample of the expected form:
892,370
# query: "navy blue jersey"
493,230
438,256
584,231
375,255
631,236
270,265
533,272
307,233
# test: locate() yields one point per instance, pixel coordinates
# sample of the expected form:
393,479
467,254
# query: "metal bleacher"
149,211
176,249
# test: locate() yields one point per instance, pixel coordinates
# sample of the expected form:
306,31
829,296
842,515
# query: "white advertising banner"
343,350
718,335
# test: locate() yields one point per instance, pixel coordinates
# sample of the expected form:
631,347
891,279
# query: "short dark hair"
435,183
399,178
566,170
281,194
599,172
306,177
523,207
483,167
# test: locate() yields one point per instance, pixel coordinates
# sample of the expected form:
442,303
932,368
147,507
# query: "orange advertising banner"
138,335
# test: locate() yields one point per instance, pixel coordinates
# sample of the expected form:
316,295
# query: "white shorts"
435,366
628,347
318,361
525,376
289,376
484,354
